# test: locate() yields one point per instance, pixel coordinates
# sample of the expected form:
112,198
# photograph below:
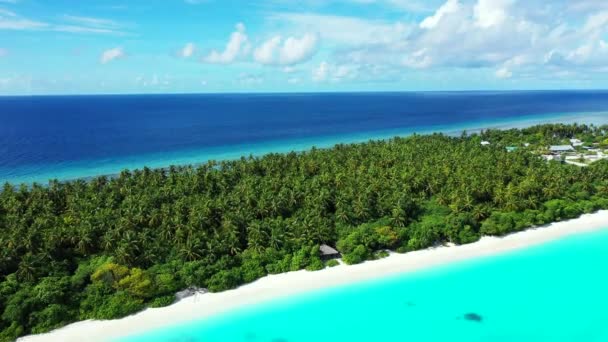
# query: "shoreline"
275,287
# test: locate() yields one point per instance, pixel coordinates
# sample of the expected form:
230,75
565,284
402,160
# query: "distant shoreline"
274,287
194,158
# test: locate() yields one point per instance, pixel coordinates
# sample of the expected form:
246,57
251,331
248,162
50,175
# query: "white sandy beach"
277,286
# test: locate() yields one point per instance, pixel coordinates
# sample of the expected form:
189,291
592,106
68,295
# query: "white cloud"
296,50
490,13
343,29
321,73
187,51
79,24
503,73
450,6
327,72
418,59
265,53
342,72
597,21
293,50
72,24
237,46
514,38
11,21
83,29
405,5
589,54
111,54
91,21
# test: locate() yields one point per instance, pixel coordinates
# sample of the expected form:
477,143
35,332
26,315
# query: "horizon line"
315,92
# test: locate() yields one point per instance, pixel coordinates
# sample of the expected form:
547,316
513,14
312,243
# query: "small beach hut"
328,252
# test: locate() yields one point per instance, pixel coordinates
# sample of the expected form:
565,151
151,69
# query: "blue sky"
160,46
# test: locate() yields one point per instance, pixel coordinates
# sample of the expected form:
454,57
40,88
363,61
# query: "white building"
576,142
561,149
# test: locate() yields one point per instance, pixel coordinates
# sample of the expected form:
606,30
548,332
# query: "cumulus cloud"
291,51
296,50
508,38
265,53
111,54
490,13
238,45
187,51
450,6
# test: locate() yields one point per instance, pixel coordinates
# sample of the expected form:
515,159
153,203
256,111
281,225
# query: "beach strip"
274,287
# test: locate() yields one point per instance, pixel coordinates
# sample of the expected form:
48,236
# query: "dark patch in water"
473,317
250,336
410,304
280,340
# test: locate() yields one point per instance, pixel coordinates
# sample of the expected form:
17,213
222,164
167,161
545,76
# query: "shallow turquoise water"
554,292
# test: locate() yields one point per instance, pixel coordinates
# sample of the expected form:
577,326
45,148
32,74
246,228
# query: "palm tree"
257,236
190,250
27,268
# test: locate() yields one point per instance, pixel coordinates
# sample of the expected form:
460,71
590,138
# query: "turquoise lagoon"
553,292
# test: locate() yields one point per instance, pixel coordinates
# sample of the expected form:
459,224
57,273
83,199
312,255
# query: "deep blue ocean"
67,137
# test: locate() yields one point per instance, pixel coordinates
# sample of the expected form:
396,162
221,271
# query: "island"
109,247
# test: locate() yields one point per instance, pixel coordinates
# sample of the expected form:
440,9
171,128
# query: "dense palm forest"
111,246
